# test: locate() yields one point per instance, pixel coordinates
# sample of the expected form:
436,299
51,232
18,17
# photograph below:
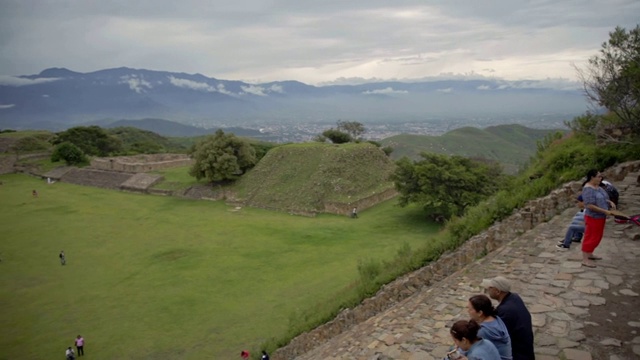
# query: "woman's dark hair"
590,175
465,329
483,303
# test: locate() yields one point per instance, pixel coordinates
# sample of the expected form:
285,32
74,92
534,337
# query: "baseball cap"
499,282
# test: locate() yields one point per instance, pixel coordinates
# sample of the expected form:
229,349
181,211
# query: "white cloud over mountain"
190,84
20,81
385,91
135,83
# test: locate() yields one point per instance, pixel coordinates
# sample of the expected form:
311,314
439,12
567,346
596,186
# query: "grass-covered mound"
306,177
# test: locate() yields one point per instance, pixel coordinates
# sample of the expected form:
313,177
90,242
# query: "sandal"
595,258
589,265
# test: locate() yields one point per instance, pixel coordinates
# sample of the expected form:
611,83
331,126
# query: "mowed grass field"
152,277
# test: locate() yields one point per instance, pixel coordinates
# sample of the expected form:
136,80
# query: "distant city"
308,131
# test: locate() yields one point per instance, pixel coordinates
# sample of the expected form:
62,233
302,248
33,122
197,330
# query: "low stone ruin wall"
141,163
533,213
96,178
364,203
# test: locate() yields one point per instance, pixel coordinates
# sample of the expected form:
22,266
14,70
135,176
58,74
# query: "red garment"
594,229
244,354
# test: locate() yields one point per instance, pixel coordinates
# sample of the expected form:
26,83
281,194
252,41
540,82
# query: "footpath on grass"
578,312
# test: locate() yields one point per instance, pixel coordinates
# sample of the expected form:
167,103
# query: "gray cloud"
307,40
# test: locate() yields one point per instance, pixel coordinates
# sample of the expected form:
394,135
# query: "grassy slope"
304,176
152,277
23,134
130,136
511,145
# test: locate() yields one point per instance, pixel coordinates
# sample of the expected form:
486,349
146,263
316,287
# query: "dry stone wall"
141,163
524,219
364,203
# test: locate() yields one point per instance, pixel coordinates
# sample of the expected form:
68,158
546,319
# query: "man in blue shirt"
514,314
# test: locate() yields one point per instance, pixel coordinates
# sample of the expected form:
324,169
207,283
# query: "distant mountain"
510,145
58,98
171,128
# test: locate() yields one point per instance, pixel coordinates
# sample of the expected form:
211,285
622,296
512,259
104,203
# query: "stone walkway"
578,313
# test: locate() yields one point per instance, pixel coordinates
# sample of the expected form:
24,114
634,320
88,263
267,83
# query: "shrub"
70,153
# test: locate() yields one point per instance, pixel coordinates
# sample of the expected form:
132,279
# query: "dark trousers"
80,350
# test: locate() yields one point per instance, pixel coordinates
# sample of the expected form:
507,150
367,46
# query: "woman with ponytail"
465,336
597,205
492,328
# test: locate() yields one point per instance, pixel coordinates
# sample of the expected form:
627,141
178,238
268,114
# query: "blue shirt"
483,350
578,218
496,332
597,197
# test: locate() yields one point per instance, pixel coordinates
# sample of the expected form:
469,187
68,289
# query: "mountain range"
58,98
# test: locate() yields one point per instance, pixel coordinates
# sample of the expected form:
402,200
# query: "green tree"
337,136
611,79
70,153
221,157
353,128
92,140
444,186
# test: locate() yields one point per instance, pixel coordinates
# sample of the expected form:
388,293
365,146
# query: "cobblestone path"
578,312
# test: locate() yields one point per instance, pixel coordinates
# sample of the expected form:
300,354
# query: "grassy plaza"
151,277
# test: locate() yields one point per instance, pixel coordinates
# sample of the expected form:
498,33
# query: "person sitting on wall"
576,229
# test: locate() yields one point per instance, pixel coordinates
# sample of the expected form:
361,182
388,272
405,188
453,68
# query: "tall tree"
353,128
92,140
221,157
611,79
444,186
336,136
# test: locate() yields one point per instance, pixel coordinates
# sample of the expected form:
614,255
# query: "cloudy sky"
314,41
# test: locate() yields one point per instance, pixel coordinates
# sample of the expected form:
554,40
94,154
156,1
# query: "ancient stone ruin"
141,163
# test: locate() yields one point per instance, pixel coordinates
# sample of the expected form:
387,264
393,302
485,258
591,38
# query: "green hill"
510,145
310,176
137,140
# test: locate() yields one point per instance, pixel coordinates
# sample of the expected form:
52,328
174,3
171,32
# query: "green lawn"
176,178
153,277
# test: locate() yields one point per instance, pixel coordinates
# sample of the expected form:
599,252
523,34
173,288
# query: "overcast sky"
313,41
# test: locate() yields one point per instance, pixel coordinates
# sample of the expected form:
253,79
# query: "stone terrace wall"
533,213
364,203
141,163
97,178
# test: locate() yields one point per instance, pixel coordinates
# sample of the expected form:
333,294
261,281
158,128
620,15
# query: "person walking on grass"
80,345
70,354
63,259
597,205
354,213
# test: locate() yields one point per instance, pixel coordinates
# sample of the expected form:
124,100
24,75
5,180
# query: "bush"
70,153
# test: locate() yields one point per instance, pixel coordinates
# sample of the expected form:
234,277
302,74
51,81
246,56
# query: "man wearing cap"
514,314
